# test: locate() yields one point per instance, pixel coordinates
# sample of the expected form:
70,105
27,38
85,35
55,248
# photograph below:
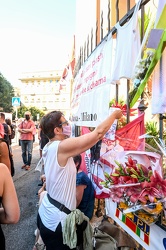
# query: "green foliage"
6,94
34,112
122,121
152,129
147,17
121,102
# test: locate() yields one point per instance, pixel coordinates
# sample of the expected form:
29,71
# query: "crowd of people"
67,195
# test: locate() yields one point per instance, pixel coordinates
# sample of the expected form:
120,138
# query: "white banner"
91,89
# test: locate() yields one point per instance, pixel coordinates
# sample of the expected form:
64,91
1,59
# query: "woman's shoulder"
3,168
50,147
3,145
4,172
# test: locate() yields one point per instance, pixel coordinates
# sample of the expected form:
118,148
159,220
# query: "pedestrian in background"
7,129
60,172
12,134
9,206
4,149
26,129
43,140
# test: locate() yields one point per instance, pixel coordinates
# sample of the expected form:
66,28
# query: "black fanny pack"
57,204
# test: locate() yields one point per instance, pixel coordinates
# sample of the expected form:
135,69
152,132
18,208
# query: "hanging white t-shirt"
159,75
60,185
127,47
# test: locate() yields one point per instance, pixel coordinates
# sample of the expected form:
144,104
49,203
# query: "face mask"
27,117
67,130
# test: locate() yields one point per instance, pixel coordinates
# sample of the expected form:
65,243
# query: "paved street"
21,236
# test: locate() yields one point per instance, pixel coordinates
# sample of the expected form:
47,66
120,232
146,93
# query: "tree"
34,112
6,94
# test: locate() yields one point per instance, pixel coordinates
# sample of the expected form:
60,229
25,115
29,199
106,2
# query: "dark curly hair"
77,159
49,122
8,121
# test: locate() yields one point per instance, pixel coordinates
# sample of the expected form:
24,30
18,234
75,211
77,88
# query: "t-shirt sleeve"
20,125
82,179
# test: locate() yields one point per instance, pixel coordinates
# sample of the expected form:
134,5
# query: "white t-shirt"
60,185
127,47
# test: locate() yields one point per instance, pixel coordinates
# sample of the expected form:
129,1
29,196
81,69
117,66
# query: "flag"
128,136
65,72
68,71
72,59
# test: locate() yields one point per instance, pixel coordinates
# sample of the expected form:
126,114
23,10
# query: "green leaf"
156,57
115,174
106,175
134,176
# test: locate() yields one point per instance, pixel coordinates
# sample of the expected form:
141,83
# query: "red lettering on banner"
88,67
96,60
79,86
96,83
82,74
83,90
90,76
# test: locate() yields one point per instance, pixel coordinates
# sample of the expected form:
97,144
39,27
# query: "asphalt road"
21,235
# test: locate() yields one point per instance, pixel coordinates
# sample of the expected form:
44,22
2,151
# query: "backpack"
12,132
10,157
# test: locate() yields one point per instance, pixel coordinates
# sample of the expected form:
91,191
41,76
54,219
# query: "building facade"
46,91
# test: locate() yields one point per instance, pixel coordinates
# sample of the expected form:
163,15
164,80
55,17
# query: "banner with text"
91,90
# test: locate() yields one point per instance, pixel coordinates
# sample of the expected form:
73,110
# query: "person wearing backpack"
12,134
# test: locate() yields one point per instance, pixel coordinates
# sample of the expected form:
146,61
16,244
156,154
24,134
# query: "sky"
35,35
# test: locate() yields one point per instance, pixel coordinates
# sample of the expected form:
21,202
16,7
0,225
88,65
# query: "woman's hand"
118,113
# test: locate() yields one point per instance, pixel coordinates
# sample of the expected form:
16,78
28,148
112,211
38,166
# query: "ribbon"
123,108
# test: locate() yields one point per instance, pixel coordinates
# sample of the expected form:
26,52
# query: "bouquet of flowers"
136,186
142,68
140,72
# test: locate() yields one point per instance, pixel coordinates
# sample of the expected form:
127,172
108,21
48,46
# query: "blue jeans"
27,147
